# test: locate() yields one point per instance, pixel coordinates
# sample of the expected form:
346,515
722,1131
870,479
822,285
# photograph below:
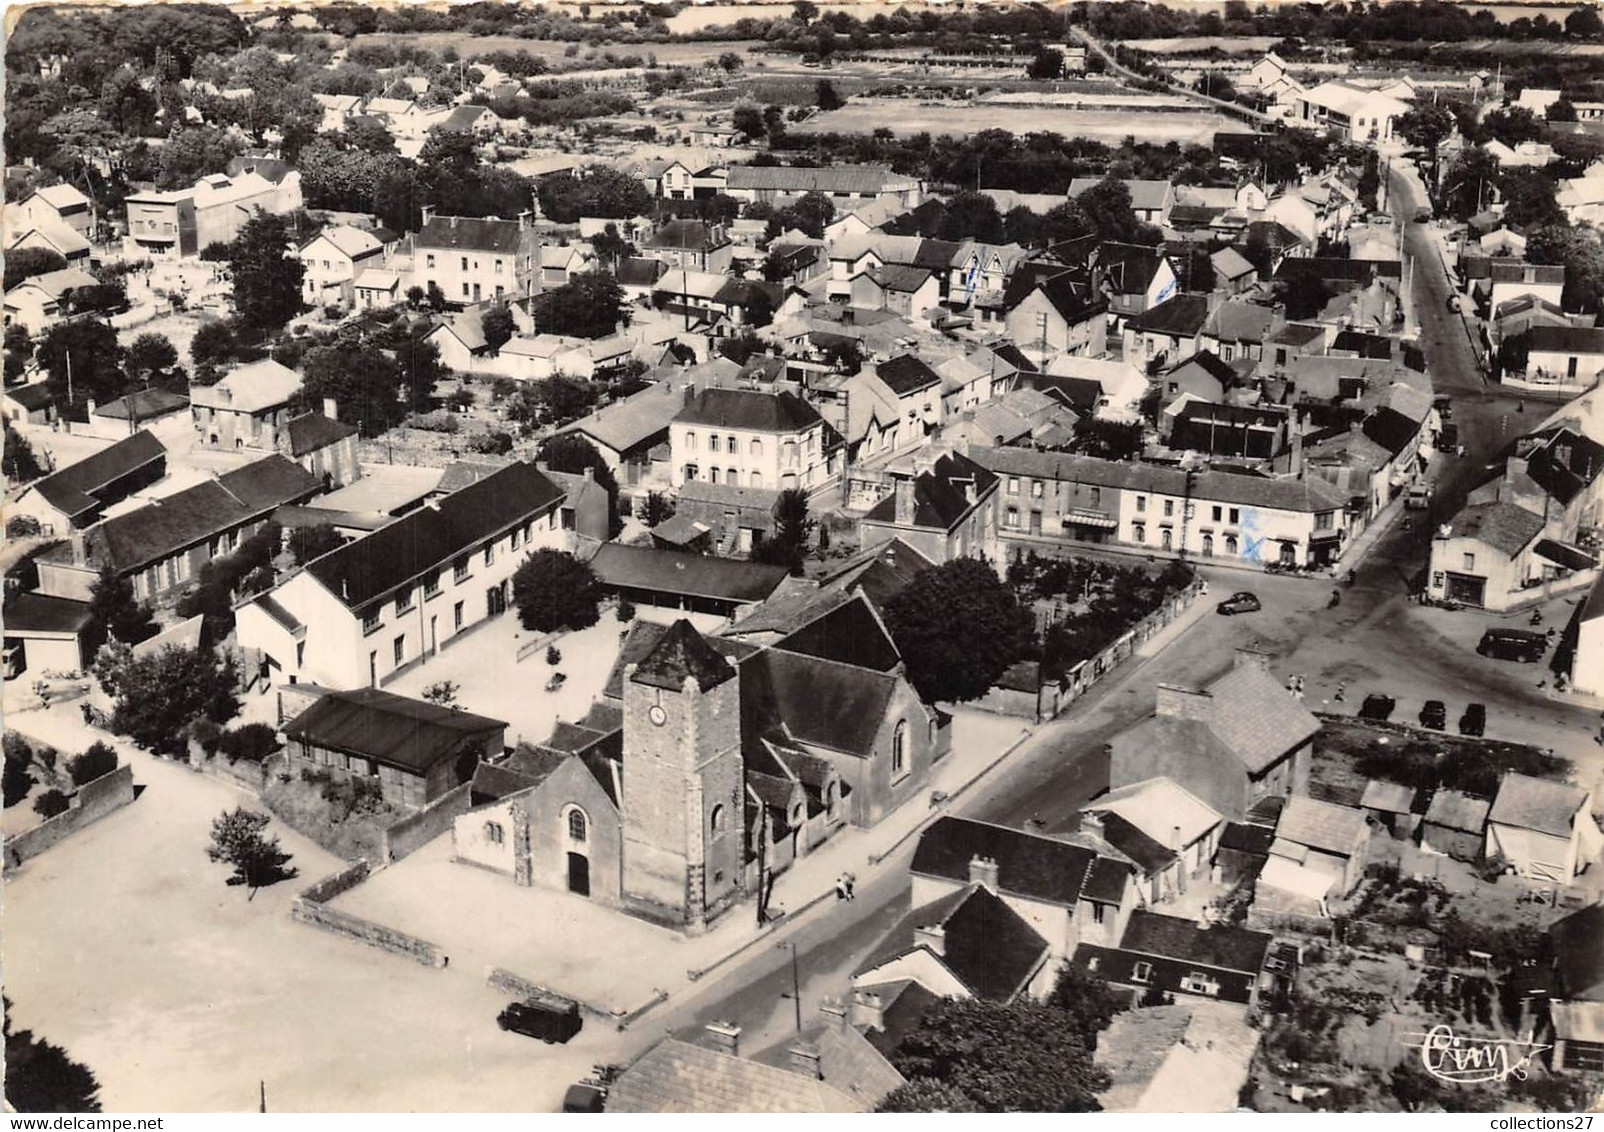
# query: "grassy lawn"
1352,751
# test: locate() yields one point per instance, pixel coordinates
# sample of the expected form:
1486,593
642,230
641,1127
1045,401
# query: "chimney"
525,220
903,490
933,936
835,1013
80,554
805,1060
331,409
725,1037
1295,438
983,870
868,1010
1184,703
969,491
428,213
1245,657
590,474
453,221
432,503
1091,822
91,406
542,466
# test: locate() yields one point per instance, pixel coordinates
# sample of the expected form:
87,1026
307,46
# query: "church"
709,765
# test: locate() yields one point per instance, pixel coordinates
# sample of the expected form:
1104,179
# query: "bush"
626,610
99,760
437,421
22,526
17,780
554,656
495,443
251,743
51,803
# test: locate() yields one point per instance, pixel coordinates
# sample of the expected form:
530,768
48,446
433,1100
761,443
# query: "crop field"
469,46
907,118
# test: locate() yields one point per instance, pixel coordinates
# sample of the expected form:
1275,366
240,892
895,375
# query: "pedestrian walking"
852,882
841,887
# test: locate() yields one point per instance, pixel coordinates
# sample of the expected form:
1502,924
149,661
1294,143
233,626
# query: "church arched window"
578,825
715,820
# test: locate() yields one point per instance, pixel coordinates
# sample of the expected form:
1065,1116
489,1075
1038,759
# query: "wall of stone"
519,987
93,801
416,830
311,907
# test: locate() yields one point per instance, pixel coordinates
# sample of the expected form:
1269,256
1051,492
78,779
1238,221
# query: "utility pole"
796,985
68,353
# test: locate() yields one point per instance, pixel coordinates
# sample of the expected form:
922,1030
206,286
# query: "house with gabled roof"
1052,310
1318,852
1134,277
162,546
1069,894
1165,830
1544,830
1171,956
473,259
54,206
628,432
248,408
750,438
333,259
77,495
359,615
40,301
941,503
1242,738
1172,330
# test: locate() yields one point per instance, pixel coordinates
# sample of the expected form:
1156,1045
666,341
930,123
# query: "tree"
152,358
1108,440
730,61
1004,1057
824,94
611,248
1562,109
1048,64
1581,250
498,326
748,119
214,345
1411,1086
1215,85
1584,23
971,216
1304,293
812,213
88,347
51,803
1426,124
194,152
97,761
554,590
241,841
20,463
18,777
958,627
658,508
1085,1001
364,382
589,305
603,192
572,453
40,1077
1514,124
307,543
369,135
267,278
1107,208
158,697
925,1095
804,11
442,693
18,351
25,263
793,527
1529,199
1469,183
114,611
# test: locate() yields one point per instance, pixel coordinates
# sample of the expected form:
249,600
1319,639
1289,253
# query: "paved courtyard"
124,946
482,664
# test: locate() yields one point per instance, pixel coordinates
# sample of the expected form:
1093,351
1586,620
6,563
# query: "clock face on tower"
657,715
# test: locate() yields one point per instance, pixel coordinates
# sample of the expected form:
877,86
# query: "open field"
470,46
1113,126
1181,45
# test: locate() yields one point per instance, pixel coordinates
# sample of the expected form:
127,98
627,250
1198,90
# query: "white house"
748,438
1358,114
39,302
1544,830
54,206
333,259
359,615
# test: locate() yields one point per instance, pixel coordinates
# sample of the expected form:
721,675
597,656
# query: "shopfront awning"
1083,517
1564,555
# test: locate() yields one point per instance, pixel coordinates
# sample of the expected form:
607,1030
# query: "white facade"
333,259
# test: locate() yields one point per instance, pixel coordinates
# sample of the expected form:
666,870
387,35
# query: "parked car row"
1378,708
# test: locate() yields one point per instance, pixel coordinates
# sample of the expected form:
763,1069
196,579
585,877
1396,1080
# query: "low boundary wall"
415,831
92,801
311,907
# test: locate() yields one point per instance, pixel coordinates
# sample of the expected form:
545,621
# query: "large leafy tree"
924,1095
958,627
498,326
25,263
1529,199
158,697
971,216
82,354
267,278
590,305
1469,183
40,1077
1427,125
1004,1057
365,384
602,192
793,528
554,590
153,358
1107,208
115,612
194,152
21,464
1581,250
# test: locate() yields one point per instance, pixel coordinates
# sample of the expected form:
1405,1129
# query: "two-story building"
748,438
944,505
333,260
472,259
366,611
247,409
690,245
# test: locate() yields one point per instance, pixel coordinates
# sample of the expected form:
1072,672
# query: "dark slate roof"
1502,525
1566,339
1578,956
676,1076
395,730
819,702
903,1004
1331,269
678,572
32,397
41,613
466,233
642,638
939,499
694,235
166,526
850,634
143,405
749,409
1148,854
1222,946
1079,393
433,535
1011,354
1565,465
907,374
1374,346
682,654
1247,837
1106,882
1129,268
1028,865
1179,316
72,489
311,431
1390,429
986,944
639,271
1210,363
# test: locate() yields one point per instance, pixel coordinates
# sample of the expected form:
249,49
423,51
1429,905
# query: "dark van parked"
551,1019
1513,644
